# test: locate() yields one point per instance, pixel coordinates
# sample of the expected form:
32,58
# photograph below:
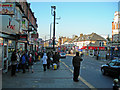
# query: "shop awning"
93,48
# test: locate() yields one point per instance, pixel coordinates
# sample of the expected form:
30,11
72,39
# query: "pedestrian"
48,60
27,60
31,61
55,57
42,53
44,60
23,61
36,56
76,64
13,63
58,60
18,60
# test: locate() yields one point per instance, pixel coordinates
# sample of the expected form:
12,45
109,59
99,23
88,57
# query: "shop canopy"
93,48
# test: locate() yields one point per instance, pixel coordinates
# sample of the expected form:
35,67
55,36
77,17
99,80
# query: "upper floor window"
101,44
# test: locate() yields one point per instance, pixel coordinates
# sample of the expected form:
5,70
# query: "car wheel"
103,71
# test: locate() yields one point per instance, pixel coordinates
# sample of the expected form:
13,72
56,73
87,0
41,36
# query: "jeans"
44,66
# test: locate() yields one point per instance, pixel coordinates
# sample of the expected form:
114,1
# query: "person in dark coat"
48,60
76,64
23,61
58,60
13,63
55,57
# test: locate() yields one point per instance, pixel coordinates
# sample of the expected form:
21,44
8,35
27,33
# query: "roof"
91,37
74,39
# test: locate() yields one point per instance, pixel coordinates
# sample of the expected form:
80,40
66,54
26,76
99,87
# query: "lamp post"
51,29
53,14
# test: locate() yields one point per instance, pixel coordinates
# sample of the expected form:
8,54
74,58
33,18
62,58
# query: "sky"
76,18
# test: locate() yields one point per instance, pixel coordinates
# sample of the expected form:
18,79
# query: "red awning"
84,47
93,48
101,48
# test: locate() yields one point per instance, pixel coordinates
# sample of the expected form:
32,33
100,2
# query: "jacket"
31,62
23,59
44,59
76,61
14,59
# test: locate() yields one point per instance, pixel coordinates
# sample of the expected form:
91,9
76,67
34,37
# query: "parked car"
62,55
111,68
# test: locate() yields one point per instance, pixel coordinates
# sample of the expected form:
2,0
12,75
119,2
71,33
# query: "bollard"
115,85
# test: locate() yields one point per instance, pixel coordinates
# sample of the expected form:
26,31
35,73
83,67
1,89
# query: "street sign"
116,48
80,50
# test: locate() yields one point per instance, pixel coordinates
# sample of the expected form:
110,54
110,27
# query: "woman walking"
31,60
44,60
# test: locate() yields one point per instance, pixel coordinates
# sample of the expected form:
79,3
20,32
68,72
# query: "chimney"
81,34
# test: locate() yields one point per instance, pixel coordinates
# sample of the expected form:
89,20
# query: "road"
90,71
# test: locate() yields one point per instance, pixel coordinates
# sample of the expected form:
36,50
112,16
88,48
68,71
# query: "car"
62,55
111,68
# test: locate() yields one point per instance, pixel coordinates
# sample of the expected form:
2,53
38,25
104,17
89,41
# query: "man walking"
76,64
44,60
13,63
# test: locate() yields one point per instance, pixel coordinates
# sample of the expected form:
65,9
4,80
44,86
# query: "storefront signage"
9,25
22,37
93,48
7,8
10,50
116,48
34,35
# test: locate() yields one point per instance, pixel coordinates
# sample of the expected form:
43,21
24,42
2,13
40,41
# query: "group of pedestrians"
49,59
21,60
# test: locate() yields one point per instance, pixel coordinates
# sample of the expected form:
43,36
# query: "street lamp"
53,14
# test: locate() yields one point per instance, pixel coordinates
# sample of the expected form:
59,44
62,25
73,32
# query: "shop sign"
80,50
116,48
10,50
22,37
9,25
34,35
7,8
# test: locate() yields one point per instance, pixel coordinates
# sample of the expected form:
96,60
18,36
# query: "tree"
108,38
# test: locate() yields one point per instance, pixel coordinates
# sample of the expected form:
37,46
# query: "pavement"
61,78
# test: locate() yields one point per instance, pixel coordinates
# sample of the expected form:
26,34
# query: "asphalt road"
90,71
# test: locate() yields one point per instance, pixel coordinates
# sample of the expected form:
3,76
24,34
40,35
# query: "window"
117,64
101,44
112,63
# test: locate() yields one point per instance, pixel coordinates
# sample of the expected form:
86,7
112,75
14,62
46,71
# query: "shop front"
9,30
93,50
22,42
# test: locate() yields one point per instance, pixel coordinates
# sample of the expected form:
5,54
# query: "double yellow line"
84,81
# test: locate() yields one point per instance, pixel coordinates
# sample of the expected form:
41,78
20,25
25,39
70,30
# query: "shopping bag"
54,66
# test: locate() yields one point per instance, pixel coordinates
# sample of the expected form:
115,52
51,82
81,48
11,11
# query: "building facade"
18,31
116,27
